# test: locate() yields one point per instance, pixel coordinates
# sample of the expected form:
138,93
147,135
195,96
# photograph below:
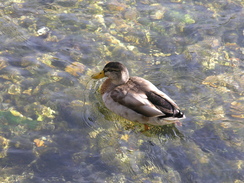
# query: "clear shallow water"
53,125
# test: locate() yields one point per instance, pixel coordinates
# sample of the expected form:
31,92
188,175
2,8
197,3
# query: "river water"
53,124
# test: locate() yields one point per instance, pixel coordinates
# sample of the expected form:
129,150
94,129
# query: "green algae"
9,119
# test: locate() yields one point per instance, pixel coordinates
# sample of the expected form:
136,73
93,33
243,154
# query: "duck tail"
178,114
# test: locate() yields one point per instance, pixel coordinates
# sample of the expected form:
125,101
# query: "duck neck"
122,78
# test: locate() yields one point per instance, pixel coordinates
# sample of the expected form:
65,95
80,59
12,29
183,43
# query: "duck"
136,99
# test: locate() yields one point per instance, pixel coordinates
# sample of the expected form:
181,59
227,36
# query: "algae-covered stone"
14,89
180,17
4,145
75,68
46,59
42,112
237,108
224,82
188,19
114,5
3,62
157,12
15,118
157,15
95,9
45,112
131,14
28,61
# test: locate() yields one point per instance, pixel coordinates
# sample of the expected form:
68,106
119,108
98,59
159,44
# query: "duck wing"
159,99
144,98
164,105
130,96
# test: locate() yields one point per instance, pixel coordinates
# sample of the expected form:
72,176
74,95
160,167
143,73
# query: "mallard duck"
135,98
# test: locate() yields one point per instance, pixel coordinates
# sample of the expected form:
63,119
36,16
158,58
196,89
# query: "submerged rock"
237,109
114,5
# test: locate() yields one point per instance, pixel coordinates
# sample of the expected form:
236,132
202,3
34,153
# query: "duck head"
115,71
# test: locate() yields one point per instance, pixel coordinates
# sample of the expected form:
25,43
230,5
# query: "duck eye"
109,70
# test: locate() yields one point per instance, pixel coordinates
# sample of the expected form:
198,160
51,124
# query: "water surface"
53,124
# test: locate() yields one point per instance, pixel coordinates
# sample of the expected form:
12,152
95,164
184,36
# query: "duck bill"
98,75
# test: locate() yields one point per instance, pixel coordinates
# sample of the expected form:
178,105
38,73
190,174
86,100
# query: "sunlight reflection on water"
192,51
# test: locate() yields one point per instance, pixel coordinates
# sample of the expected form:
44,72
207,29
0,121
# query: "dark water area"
54,126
